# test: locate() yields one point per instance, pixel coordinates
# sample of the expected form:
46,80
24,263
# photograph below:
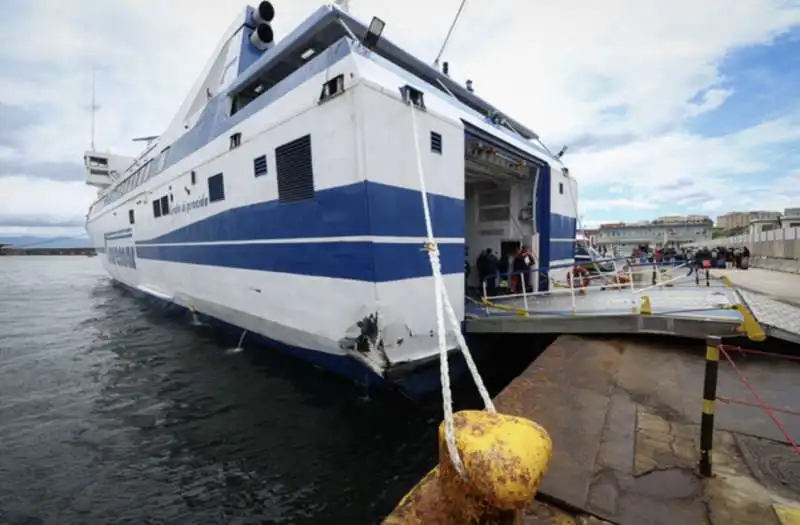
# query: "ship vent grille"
260,165
295,170
436,142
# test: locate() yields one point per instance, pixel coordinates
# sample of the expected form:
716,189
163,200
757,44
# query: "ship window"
561,188
98,162
236,140
148,172
412,95
332,88
295,170
436,142
216,188
131,218
164,205
162,158
156,208
193,177
260,165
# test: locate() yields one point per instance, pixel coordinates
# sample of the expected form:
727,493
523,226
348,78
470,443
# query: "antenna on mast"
94,105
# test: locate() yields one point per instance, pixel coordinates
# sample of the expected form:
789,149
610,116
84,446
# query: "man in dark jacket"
523,262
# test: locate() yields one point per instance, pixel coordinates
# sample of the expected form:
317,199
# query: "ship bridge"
104,169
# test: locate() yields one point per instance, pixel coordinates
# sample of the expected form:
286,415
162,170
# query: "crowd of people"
503,274
717,257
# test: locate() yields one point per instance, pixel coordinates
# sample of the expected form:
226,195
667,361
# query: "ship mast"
94,106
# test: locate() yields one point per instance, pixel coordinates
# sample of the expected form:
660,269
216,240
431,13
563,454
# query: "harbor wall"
10,250
777,249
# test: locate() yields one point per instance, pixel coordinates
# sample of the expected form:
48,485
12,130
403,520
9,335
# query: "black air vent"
295,171
260,165
436,142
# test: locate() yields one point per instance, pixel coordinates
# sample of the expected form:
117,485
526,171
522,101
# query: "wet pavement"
624,417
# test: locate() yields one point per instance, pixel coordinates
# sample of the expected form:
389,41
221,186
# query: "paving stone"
619,437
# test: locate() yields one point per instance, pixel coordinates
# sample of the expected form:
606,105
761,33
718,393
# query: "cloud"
621,84
709,174
615,204
27,202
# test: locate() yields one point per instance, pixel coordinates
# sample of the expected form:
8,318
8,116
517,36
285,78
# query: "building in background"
590,235
736,220
674,231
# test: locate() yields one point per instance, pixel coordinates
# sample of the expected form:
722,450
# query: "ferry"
283,201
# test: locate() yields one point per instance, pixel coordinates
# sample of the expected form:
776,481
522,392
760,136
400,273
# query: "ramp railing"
580,280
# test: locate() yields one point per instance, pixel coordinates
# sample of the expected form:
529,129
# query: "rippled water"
111,412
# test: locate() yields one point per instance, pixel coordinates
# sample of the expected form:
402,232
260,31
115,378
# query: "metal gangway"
613,296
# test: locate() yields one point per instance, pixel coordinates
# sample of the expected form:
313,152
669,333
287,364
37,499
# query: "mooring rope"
444,306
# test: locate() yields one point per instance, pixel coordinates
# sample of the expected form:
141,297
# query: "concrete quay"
777,285
624,418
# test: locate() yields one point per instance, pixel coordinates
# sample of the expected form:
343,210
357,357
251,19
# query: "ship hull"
286,200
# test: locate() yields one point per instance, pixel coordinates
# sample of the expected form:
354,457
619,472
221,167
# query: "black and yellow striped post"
708,277
655,277
709,397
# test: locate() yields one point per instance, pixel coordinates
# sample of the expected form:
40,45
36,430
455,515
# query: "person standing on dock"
487,264
523,262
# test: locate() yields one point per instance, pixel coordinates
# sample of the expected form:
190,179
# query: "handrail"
572,287
572,265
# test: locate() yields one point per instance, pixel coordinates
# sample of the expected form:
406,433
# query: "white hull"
313,273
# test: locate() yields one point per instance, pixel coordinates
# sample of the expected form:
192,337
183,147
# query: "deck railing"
580,281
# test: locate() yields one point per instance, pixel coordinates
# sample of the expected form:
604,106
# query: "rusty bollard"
505,458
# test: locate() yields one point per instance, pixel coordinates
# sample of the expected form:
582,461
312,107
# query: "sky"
666,107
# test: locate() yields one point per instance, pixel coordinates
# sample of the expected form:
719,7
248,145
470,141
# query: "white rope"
443,304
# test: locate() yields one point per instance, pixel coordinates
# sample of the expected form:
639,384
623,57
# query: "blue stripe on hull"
361,261
360,209
419,384
562,235
560,251
562,227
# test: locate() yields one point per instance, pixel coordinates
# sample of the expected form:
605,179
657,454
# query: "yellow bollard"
646,307
505,458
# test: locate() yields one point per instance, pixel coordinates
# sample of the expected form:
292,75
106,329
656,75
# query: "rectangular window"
156,208
216,188
148,170
131,218
193,176
162,159
260,165
436,142
164,205
236,140
561,188
295,170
